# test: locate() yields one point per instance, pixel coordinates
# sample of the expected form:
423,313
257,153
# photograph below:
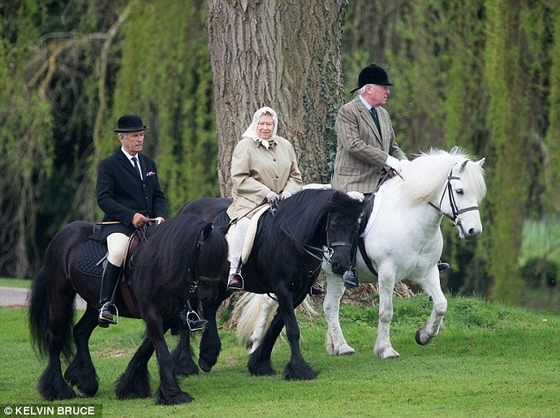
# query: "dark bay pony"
166,270
286,260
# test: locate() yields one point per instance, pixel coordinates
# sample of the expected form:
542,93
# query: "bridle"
455,211
329,252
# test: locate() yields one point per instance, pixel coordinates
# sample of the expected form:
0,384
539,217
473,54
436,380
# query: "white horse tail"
255,312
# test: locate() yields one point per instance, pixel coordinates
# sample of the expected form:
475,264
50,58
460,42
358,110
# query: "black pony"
167,268
285,260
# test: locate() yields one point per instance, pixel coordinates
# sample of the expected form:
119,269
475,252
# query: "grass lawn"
491,360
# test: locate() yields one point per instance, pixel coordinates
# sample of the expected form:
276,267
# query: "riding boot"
317,290
235,280
350,277
108,311
442,266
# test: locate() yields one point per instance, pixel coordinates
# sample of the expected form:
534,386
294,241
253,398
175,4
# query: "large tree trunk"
284,54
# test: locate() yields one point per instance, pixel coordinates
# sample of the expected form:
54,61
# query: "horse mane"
428,172
174,252
302,216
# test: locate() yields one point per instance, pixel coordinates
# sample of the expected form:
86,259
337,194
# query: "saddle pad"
222,220
249,236
378,197
90,260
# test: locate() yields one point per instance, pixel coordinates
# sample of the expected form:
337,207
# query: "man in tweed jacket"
366,142
364,149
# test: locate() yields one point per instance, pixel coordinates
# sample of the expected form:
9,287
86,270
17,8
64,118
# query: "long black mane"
179,249
301,217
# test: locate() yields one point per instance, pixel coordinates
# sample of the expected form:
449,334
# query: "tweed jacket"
256,170
362,152
121,192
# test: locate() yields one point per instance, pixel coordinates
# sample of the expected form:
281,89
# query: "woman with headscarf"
264,169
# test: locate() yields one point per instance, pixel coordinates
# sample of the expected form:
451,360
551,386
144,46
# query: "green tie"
375,119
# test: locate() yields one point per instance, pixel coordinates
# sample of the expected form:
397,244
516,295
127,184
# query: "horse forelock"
426,175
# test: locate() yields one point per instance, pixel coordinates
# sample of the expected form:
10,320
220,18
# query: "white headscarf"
251,131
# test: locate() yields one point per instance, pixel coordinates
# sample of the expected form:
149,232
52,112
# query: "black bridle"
326,255
455,211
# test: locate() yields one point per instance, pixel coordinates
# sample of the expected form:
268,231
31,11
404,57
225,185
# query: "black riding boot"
235,280
350,277
442,266
108,311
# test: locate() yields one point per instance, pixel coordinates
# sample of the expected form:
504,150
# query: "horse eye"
333,225
460,191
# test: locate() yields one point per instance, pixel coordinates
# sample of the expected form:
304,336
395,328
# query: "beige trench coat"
362,152
256,170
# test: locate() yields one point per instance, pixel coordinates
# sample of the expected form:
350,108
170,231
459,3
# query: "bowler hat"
372,74
130,123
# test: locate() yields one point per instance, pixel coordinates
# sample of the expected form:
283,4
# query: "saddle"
92,260
368,213
223,221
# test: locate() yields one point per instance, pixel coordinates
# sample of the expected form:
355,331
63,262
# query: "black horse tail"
38,318
38,313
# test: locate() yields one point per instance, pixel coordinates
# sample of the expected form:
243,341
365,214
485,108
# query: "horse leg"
336,343
210,343
60,313
182,358
434,323
134,383
81,372
169,392
254,339
297,368
383,348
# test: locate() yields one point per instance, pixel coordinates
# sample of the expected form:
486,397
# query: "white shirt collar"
366,104
130,156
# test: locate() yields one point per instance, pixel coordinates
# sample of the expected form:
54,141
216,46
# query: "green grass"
491,360
15,282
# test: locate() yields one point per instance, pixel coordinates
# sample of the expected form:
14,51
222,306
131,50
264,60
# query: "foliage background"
482,74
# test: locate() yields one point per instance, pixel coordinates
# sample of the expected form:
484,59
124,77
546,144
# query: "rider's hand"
272,197
285,194
394,163
139,220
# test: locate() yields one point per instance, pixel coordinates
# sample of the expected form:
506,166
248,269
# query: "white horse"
403,241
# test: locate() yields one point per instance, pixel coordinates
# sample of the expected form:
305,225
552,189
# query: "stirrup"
194,322
235,288
108,314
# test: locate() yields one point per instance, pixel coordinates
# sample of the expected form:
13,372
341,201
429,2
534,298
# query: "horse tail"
252,310
39,316
38,313
255,312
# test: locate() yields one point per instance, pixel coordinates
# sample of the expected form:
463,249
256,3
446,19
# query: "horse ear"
207,230
463,165
481,162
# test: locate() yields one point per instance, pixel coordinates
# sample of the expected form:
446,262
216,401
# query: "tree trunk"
284,54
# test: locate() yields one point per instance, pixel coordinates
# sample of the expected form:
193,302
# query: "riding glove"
272,197
285,194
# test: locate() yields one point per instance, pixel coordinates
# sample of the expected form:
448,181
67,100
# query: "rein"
324,255
455,211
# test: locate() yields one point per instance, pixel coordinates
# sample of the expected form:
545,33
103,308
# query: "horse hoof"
345,350
387,353
205,367
418,338
180,398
